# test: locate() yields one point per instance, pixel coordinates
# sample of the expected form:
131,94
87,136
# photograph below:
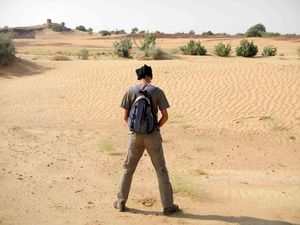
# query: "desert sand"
231,142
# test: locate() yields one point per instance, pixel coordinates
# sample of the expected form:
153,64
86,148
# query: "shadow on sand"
21,67
241,220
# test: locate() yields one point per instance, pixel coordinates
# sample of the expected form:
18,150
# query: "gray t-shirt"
159,99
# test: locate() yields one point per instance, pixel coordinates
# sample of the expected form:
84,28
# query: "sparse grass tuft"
292,137
274,123
186,185
60,58
175,118
106,146
198,145
83,54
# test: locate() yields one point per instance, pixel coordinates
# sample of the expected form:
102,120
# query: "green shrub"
222,49
104,32
269,50
148,49
83,54
81,28
7,49
123,47
193,48
246,49
148,42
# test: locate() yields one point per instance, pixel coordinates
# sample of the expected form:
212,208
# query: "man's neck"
144,82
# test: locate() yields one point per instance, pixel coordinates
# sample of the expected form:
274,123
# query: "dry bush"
60,58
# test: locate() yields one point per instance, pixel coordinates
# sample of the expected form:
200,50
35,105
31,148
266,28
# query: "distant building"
23,32
30,31
49,23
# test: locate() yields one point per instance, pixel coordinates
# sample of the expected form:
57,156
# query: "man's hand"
164,117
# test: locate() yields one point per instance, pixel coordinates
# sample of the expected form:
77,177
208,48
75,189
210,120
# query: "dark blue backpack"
142,118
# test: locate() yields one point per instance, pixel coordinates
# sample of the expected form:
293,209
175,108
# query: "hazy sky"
170,16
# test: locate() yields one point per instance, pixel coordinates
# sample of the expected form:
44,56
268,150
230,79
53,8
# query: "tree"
57,27
134,30
104,32
81,28
191,32
208,33
256,31
90,30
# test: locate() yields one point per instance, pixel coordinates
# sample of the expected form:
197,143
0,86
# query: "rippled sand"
231,142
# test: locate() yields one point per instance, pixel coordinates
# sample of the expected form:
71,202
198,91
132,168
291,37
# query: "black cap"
143,72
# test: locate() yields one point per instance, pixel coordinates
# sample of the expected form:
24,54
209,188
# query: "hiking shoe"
170,210
120,206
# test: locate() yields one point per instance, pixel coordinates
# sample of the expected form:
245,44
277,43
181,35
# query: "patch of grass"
274,123
186,126
106,145
175,118
292,137
186,185
198,145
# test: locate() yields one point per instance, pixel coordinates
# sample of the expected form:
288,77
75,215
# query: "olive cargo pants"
153,144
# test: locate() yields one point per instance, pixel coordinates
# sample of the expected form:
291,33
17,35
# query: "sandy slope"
231,144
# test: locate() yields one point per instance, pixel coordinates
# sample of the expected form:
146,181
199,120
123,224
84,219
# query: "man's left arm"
126,115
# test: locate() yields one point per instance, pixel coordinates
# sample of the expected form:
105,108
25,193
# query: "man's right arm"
164,117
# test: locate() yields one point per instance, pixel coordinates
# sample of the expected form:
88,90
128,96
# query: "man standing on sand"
152,142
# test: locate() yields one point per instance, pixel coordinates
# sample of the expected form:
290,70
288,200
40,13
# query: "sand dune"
231,143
